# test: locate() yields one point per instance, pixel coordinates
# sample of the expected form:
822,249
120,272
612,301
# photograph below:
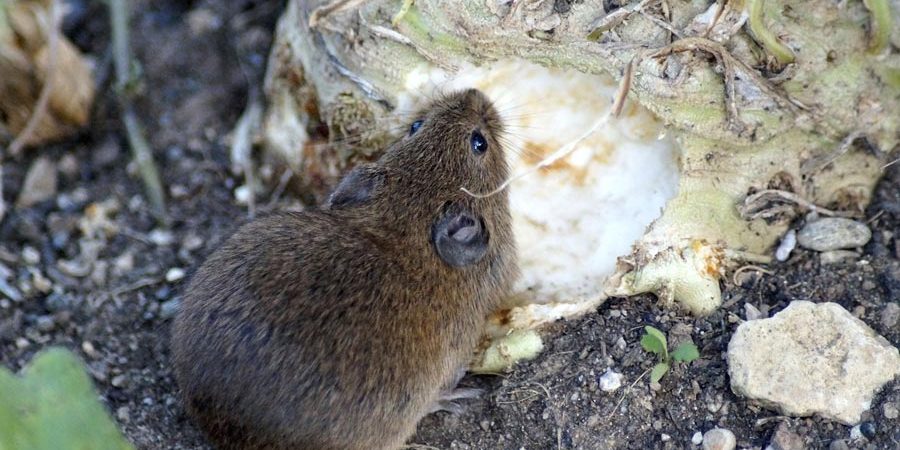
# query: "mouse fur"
339,327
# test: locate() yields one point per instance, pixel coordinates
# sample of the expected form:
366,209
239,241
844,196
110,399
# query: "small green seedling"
654,341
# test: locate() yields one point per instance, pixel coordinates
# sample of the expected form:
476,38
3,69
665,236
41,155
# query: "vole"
341,327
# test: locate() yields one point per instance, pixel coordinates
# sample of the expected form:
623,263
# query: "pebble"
610,381
30,256
890,314
192,242
719,439
123,414
856,433
752,313
780,361
119,380
485,425
788,243
174,274
833,233
45,323
838,444
785,439
697,438
89,349
148,401
665,437
868,429
242,194
168,309
160,237
22,343
890,410
9,291
39,184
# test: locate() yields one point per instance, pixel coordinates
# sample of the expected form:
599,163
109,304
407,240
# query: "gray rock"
838,444
811,359
40,183
610,380
833,233
890,314
785,439
890,410
719,439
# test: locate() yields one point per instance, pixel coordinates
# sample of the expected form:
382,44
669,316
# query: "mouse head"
452,143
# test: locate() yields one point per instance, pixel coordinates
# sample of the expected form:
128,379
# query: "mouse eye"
479,144
415,127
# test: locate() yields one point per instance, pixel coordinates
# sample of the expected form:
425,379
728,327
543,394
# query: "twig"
40,107
743,269
140,149
814,165
282,184
624,87
139,284
624,394
322,12
751,209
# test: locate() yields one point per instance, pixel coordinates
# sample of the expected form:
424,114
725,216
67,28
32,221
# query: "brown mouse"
340,328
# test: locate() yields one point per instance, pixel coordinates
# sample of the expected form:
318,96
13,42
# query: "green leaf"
53,405
654,341
658,371
685,352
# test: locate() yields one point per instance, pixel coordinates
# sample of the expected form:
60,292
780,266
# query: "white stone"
719,439
697,438
174,274
610,381
811,359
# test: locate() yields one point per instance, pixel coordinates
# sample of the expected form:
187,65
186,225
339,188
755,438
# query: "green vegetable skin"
53,406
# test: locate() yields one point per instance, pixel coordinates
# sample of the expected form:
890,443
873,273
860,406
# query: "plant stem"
140,149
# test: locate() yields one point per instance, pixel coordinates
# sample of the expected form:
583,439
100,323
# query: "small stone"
838,444
610,381
890,410
856,433
119,380
39,184
665,437
30,256
868,429
788,242
719,439
783,363
68,166
485,425
752,313
890,314
123,414
192,242
22,343
168,309
9,291
163,292
89,349
785,439
242,194
45,323
837,256
161,238
697,438
174,274
148,401
833,233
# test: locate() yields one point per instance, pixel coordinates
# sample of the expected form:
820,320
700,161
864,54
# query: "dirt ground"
107,289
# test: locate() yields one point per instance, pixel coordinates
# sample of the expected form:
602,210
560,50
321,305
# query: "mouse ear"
460,237
355,188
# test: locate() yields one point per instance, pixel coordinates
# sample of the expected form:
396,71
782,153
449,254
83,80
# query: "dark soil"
113,306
